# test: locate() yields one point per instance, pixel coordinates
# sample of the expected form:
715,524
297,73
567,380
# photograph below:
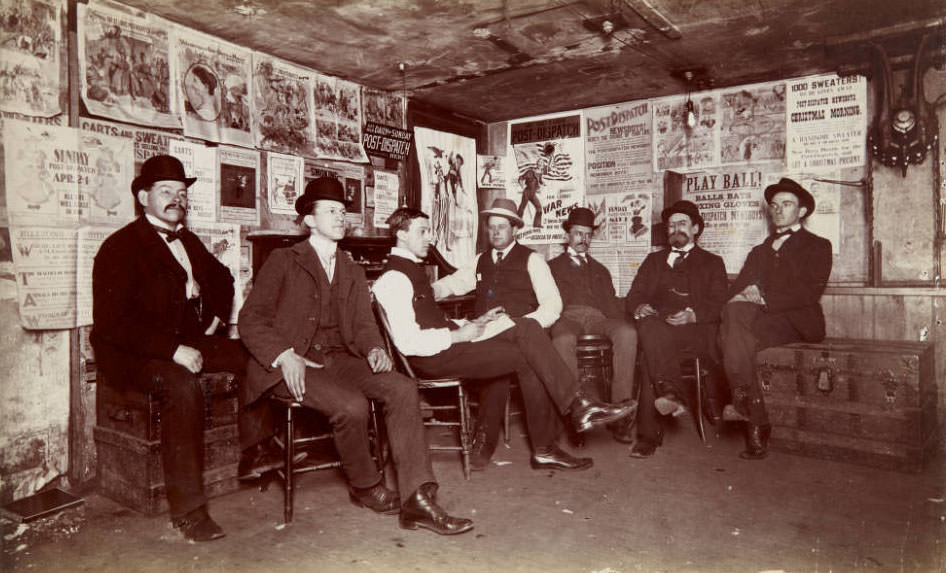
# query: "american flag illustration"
546,161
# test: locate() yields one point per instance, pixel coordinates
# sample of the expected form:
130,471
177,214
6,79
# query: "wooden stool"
594,353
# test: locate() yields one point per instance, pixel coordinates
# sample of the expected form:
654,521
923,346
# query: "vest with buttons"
507,285
589,286
674,283
328,337
426,311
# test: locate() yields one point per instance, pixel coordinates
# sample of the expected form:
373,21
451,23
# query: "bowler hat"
689,209
786,185
328,188
580,216
160,168
504,208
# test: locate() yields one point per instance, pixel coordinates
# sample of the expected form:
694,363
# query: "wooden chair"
432,410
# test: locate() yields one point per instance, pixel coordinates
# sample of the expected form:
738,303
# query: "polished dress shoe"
643,449
421,510
757,442
198,526
259,459
377,498
586,413
622,431
554,458
482,451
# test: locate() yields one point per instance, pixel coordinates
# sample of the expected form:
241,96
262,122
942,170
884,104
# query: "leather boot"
377,498
585,412
421,510
757,441
482,450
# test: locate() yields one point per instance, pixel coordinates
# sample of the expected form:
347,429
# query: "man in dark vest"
310,329
775,300
159,298
591,307
518,281
480,350
676,300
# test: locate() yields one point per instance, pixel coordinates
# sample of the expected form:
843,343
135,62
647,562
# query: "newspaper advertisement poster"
237,186
622,262
386,141
491,171
618,148
212,83
124,69
223,242
732,204
752,123
386,186
545,174
826,220
282,110
44,261
30,43
285,182
337,113
66,177
352,178
145,142
88,241
826,122
199,161
680,146
448,191
386,108
625,218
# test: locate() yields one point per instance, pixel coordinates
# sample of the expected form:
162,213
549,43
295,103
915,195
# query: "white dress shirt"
672,256
326,250
777,243
395,293
543,284
180,255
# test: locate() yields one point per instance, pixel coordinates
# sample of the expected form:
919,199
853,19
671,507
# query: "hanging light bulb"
690,114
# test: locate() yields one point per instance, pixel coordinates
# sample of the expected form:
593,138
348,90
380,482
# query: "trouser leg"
624,349
493,395
648,423
536,347
565,333
739,349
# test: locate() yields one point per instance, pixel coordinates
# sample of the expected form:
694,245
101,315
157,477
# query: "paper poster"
826,220
124,68
386,186
618,148
237,187
88,241
622,262
337,114
752,123
285,182
681,147
44,261
448,191
145,142
386,141
545,173
199,161
826,122
282,111
385,108
491,171
625,218
30,43
223,242
213,88
352,178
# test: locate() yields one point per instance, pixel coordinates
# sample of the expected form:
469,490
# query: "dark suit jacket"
707,290
591,287
140,309
791,279
283,311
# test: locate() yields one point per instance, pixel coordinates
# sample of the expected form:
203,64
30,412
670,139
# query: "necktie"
169,235
499,257
781,234
681,254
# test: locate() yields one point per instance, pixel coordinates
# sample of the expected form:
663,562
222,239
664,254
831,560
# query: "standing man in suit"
159,297
775,300
313,337
676,300
591,307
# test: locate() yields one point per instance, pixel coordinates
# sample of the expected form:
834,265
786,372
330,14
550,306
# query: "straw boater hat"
328,188
580,216
689,209
805,199
160,168
504,208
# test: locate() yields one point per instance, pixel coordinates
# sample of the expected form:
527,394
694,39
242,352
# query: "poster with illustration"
337,113
285,182
30,42
282,111
448,191
238,184
752,123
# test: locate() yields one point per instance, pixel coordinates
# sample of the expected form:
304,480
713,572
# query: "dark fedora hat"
786,185
689,209
160,168
580,216
328,188
504,208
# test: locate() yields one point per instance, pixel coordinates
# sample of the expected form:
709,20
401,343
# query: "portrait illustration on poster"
202,92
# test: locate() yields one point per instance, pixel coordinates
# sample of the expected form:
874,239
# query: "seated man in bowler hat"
517,280
159,298
675,300
310,329
592,307
775,300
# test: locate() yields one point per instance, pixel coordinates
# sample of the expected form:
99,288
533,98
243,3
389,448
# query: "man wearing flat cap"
518,281
675,299
592,307
775,300
158,299
310,329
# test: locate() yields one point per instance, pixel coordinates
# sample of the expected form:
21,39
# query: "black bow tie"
680,252
781,234
170,235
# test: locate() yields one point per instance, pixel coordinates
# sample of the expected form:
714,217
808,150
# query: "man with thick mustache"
159,297
676,299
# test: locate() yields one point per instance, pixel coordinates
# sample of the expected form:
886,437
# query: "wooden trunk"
871,402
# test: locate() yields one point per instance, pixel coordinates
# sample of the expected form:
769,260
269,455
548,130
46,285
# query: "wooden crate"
871,402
